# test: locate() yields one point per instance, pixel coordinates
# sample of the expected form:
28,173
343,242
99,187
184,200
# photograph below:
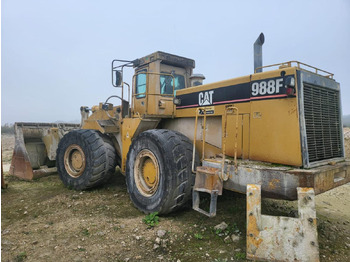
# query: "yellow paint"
128,127
149,172
275,135
253,231
153,103
77,160
269,129
99,114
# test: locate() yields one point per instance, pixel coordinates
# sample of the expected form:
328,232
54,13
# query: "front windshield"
166,83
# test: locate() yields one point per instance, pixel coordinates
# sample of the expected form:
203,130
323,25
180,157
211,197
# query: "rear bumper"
282,182
324,178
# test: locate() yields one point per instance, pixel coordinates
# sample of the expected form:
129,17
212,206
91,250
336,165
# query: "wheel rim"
74,160
146,173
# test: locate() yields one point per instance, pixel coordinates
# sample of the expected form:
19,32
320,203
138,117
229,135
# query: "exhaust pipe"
258,52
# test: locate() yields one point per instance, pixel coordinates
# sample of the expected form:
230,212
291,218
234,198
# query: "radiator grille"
321,108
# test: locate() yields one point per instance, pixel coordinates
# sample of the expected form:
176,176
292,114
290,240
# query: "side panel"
274,128
274,133
242,136
269,130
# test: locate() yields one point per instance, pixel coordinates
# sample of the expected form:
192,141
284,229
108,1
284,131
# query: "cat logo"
205,98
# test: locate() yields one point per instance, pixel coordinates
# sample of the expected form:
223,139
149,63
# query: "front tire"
158,171
85,159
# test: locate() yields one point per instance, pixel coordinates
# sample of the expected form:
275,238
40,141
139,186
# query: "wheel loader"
176,138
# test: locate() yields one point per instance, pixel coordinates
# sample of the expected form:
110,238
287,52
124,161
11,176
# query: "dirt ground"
44,221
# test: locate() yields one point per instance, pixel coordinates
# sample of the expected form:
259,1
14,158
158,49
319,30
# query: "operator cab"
157,78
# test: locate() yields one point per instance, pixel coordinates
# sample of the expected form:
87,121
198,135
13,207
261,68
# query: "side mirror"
117,78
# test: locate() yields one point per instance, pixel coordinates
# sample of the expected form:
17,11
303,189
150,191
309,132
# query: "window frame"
175,76
140,95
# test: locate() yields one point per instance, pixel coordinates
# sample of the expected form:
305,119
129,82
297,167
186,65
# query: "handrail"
195,135
224,135
121,106
298,64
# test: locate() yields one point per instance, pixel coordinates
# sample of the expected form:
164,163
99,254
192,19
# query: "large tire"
85,159
159,171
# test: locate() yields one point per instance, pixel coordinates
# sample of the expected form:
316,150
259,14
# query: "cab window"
166,83
141,84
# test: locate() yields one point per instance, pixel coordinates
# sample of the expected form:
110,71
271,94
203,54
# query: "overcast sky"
55,55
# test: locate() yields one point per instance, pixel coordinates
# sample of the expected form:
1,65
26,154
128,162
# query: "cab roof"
166,58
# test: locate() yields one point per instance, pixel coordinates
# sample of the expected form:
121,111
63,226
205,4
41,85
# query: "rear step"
34,154
208,181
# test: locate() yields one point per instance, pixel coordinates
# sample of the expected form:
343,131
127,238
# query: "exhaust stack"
258,52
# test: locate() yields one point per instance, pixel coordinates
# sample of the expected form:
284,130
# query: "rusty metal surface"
280,182
278,238
20,164
35,148
208,181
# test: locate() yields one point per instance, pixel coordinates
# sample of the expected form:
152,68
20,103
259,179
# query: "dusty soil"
44,221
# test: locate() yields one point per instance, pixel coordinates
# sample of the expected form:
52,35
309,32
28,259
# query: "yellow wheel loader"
175,137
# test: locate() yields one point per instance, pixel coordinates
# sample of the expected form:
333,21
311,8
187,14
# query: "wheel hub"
146,173
74,160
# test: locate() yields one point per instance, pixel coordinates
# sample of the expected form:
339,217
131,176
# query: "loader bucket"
34,154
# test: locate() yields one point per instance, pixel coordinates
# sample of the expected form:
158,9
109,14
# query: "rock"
5,231
6,242
227,239
164,243
100,233
127,259
222,251
25,212
161,233
155,246
234,238
222,226
157,240
123,243
138,237
122,226
237,249
138,257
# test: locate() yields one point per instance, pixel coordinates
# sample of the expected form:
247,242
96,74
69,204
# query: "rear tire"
85,159
159,171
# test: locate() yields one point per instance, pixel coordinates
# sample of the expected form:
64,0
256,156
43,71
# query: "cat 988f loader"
174,137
